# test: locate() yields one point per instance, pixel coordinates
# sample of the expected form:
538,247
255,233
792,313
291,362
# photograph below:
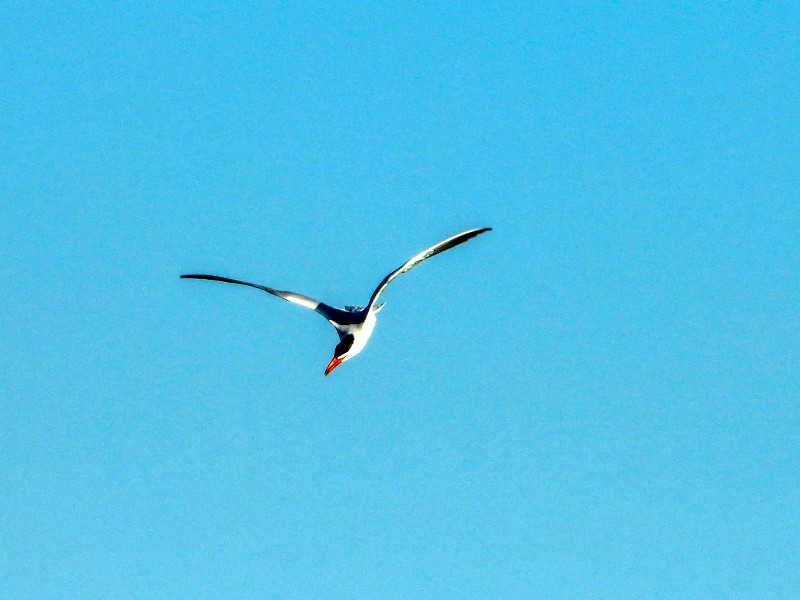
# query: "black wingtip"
478,231
206,277
209,278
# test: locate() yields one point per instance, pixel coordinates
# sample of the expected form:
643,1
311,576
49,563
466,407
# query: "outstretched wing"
451,242
334,316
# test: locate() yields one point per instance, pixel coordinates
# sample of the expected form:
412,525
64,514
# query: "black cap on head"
345,345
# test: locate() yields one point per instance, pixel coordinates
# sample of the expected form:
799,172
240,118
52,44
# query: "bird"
353,324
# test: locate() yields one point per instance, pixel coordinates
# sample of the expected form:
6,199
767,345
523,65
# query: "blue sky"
598,399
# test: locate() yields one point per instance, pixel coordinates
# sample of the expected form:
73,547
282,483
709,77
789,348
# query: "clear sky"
598,399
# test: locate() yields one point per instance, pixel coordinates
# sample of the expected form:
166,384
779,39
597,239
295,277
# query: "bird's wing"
450,242
334,316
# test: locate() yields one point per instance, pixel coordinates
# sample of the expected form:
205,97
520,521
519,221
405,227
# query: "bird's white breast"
362,334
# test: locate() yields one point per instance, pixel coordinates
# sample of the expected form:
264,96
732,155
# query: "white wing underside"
340,319
418,259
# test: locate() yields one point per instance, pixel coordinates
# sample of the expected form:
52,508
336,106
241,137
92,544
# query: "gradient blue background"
598,399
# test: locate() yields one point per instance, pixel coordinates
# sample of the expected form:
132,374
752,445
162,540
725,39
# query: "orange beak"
335,362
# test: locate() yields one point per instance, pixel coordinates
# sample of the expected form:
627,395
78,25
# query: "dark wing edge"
416,260
331,314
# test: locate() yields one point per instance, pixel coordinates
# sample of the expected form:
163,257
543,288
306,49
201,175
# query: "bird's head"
341,353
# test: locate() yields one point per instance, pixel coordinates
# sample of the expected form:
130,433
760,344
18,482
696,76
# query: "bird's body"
353,324
361,332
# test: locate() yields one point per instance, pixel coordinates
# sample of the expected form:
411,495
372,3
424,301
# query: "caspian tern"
354,324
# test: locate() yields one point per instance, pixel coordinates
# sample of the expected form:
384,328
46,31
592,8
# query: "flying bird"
354,324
